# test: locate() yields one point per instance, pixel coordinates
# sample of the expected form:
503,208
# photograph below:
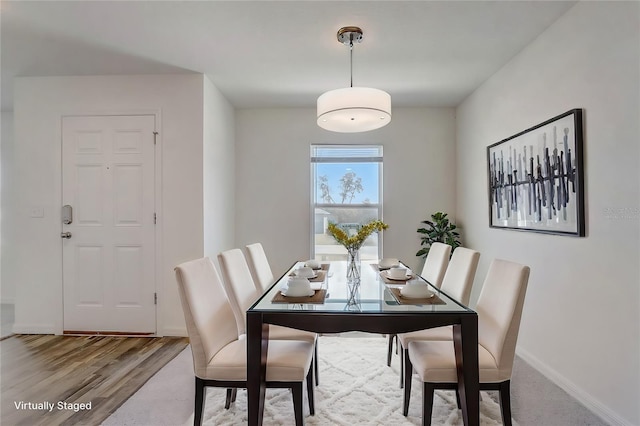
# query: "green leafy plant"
438,230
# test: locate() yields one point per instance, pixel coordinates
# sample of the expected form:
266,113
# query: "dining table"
369,302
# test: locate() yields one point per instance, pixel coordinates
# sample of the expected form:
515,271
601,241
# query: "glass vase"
353,265
353,296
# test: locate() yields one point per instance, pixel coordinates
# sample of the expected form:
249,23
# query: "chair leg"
298,408
408,371
402,355
227,401
505,402
390,349
315,363
310,397
458,399
199,402
427,403
234,393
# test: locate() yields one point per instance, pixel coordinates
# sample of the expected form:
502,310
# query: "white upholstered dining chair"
435,266
219,356
457,283
243,293
499,311
259,266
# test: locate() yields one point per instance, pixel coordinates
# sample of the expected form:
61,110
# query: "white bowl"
297,287
388,263
312,263
304,272
416,291
397,272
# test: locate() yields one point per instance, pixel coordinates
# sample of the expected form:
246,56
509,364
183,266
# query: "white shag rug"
356,388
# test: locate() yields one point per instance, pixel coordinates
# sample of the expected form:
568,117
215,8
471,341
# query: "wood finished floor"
102,370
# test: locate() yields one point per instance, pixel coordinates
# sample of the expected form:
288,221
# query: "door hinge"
155,298
155,138
155,218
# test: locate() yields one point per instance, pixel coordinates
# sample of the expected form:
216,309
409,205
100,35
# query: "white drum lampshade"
354,109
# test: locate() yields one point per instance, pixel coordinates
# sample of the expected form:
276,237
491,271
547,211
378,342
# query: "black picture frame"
536,178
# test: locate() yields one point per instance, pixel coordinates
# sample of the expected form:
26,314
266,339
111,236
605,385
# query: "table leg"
465,337
257,345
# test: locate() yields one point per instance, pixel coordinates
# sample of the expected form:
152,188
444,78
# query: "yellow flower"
354,242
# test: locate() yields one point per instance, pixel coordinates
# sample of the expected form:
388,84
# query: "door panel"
109,261
88,202
127,272
128,195
89,273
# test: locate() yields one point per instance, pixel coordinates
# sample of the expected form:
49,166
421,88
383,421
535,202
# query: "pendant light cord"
351,56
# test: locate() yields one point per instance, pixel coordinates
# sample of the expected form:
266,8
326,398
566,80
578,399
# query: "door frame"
157,275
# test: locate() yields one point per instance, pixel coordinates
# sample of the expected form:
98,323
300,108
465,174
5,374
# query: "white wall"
219,172
7,287
273,177
580,323
36,182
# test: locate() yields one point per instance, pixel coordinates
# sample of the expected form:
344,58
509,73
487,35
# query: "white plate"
316,286
386,275
284,293
315,275
426,295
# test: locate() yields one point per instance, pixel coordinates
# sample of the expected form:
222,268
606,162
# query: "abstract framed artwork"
536,178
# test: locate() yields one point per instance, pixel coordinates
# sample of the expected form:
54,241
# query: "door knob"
65,235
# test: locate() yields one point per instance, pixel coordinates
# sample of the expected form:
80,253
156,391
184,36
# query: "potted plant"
438,229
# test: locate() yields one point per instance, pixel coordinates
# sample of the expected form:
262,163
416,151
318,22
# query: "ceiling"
276,53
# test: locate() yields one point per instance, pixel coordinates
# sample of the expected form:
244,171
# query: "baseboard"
591,403
50,329
33,329
174,331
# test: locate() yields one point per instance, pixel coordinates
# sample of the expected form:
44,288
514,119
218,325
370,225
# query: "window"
347,190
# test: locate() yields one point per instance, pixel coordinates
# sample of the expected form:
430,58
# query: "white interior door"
108,174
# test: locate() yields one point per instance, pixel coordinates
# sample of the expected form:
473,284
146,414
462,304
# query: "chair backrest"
436,263
259,266
210,320
499,310
238,283
458,279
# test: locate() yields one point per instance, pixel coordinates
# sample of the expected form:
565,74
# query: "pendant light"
353,109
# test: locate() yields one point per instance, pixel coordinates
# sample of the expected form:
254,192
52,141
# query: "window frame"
314,159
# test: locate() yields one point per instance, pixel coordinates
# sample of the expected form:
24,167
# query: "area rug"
356,388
